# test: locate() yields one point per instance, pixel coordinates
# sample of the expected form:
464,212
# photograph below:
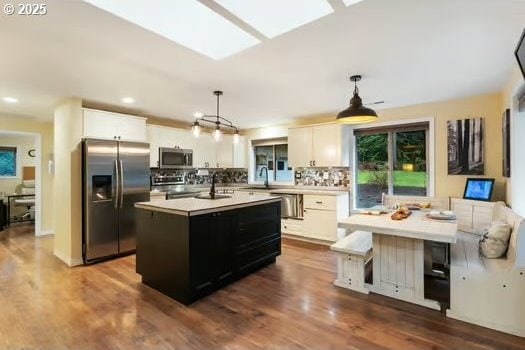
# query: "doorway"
20,180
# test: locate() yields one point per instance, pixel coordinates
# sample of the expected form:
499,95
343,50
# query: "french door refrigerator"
115,175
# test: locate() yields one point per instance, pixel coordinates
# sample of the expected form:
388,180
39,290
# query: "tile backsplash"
333,177
228,176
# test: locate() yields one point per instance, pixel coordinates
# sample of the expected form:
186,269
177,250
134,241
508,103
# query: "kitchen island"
189,247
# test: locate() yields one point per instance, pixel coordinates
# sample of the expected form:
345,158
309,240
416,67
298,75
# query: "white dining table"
399,254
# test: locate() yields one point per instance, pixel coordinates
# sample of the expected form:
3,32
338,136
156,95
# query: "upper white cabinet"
239,153
300,147
113,126
325,145
206,152
162,136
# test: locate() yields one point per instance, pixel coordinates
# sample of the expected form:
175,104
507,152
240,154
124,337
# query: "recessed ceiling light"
275,17
9,99
198,115
128,100
351,2
186,22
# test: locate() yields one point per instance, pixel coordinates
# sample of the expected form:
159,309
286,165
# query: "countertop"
312,190
195,206
416,226
295,190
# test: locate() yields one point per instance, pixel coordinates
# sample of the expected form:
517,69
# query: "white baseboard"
68,260
520,332
46,233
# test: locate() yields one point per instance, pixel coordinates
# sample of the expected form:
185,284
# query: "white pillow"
495,240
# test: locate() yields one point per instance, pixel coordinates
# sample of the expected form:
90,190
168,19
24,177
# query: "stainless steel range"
173,182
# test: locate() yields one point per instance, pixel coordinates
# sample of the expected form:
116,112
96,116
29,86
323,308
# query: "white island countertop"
197,206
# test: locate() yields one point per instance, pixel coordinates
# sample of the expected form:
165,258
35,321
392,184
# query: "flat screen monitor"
520,53
479,189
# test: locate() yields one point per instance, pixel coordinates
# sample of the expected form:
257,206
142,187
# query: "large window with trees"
391,160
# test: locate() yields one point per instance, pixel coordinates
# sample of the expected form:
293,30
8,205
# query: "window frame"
252,169
17,165
392,124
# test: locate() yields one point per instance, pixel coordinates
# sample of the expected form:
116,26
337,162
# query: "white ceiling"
408,51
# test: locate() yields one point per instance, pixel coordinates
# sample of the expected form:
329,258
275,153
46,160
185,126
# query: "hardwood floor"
292,304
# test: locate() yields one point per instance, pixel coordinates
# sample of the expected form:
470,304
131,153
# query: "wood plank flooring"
289,305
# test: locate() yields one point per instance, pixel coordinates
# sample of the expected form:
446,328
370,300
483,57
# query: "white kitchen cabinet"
162,136
325,145
225,152
321,214
239,153
113,126
300,147
320,224
205,152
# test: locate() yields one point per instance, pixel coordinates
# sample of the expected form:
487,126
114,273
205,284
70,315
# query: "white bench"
353,253
490,292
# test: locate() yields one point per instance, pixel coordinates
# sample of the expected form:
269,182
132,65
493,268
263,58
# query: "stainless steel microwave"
175,157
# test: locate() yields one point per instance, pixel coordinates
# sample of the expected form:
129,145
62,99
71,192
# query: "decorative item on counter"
401,214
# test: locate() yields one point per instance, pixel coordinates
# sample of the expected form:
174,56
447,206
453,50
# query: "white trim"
38,175
431,188
515,115
520,332
68,260
45,233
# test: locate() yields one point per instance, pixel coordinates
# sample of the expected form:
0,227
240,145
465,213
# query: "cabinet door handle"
314,162
319,202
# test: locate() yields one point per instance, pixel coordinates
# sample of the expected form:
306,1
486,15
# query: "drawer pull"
319,202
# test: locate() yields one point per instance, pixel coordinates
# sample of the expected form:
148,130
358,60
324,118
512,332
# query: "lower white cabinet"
320,216
320,224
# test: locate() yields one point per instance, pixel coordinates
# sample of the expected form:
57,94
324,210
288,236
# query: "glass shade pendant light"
196,129
217,120
217,134
356,113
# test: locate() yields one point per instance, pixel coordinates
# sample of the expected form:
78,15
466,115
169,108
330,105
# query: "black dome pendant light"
356,113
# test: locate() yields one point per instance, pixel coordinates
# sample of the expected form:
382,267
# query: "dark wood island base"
187,257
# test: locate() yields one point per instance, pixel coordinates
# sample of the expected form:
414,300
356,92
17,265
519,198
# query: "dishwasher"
291,205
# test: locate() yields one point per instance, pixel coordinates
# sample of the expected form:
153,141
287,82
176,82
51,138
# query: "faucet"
212,188
260,174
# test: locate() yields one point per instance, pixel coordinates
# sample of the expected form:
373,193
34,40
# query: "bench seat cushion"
356,243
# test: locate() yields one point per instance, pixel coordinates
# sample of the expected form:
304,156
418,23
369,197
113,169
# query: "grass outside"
401,178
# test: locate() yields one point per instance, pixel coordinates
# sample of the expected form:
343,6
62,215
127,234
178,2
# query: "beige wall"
67,192
487,106
45,130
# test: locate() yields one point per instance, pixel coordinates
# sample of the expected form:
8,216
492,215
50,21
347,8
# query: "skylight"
186,22
275,17
351,2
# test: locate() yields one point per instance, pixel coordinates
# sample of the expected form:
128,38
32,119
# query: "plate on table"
441,216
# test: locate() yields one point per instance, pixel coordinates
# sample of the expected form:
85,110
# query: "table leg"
399,269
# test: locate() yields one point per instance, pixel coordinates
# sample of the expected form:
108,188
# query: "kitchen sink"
217,196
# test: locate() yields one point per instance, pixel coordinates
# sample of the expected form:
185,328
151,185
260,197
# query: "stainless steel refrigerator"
115,176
